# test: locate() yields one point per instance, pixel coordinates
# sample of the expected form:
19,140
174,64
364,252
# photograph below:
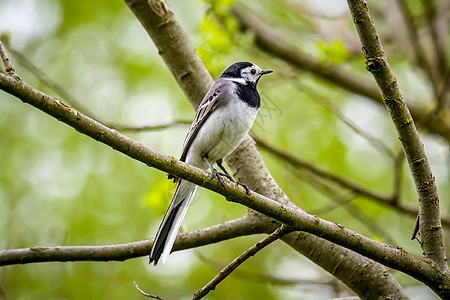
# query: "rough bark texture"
377,64
228,230
341,263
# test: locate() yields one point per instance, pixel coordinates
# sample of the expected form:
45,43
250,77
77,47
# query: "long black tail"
167,231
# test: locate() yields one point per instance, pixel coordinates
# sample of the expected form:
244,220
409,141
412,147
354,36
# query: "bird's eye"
253,71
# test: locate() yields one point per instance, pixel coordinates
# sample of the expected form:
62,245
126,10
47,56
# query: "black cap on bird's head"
245,70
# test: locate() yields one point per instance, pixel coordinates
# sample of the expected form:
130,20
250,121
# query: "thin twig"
396,185
146,294
121,252
430,9
9,69
419,52
278,233
368,222
345,201
376,142
149,127
336,202
64,94
266,278
53,85
299,163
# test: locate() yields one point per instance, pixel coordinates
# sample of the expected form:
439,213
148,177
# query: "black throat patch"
248,93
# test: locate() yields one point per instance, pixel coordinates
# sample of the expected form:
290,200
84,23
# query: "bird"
223,119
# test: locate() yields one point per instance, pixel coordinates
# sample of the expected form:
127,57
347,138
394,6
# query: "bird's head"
245,71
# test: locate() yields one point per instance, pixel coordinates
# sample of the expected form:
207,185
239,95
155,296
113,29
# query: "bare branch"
9,69
64,94
430,8
146,294
266,278
227,230
377,64
278,233
374,141
149,127
419,52
54,86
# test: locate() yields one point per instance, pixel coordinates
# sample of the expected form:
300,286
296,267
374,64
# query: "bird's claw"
227,176
247,190
218,175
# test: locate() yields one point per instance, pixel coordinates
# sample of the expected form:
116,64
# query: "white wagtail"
223,118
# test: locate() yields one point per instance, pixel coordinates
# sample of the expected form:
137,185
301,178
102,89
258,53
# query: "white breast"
222,132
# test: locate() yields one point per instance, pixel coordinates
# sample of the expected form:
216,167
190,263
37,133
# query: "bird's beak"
266,72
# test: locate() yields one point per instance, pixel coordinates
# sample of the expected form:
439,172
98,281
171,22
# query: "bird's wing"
206,107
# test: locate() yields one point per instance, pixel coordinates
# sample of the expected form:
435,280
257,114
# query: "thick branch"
121,252
377,64
362,281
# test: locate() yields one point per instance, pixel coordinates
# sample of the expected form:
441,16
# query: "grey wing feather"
206,107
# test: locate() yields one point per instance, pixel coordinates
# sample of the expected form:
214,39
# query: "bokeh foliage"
58,187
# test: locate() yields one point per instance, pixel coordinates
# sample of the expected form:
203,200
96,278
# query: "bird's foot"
218,175
247,190
227,176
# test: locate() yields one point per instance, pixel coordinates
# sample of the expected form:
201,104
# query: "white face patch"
251,73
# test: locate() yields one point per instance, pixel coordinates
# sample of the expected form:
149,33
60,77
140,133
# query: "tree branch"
341,263
413,36
430,9
9,69
377,64
227,230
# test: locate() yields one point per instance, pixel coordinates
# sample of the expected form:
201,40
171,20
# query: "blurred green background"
58,187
